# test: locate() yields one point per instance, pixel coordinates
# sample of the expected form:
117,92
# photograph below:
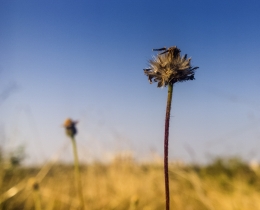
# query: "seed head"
70,127
34,184
169,67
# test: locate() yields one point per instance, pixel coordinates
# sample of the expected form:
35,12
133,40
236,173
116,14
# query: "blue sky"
84,60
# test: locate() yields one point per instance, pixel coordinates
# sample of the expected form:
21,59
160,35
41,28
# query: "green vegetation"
127,185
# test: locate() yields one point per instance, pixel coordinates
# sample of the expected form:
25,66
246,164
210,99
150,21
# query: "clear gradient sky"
85,60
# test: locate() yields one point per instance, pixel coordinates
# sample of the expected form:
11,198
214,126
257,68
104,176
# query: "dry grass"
126,185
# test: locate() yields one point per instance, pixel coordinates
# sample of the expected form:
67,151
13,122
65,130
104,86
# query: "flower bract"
169,67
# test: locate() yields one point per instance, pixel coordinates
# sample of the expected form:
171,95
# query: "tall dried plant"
168,68
70,127
35,186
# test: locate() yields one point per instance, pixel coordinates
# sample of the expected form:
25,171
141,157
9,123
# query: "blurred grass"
224,184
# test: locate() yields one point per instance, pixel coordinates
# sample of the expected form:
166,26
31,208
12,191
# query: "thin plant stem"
1,189
37,199
77,174
36,194
166,145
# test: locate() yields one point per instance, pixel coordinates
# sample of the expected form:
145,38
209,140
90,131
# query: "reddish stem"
166,144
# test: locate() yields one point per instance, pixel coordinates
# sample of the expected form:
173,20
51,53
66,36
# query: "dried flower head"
169,67
70,127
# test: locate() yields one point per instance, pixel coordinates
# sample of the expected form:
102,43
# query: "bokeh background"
85,60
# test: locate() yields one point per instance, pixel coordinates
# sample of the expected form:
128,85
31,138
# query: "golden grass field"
224,184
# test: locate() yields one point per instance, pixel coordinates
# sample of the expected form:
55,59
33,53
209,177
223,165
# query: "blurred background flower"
70,127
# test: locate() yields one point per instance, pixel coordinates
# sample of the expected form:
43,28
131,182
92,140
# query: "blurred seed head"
33,184
70,127
169,67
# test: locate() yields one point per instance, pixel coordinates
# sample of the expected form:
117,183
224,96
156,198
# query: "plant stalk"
166,145
36,194
77,174
37,199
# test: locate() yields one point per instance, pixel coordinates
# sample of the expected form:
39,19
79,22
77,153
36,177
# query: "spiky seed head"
169,67
70,127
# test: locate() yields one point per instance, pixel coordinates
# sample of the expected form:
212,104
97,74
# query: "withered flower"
70,127
71,131
169,67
